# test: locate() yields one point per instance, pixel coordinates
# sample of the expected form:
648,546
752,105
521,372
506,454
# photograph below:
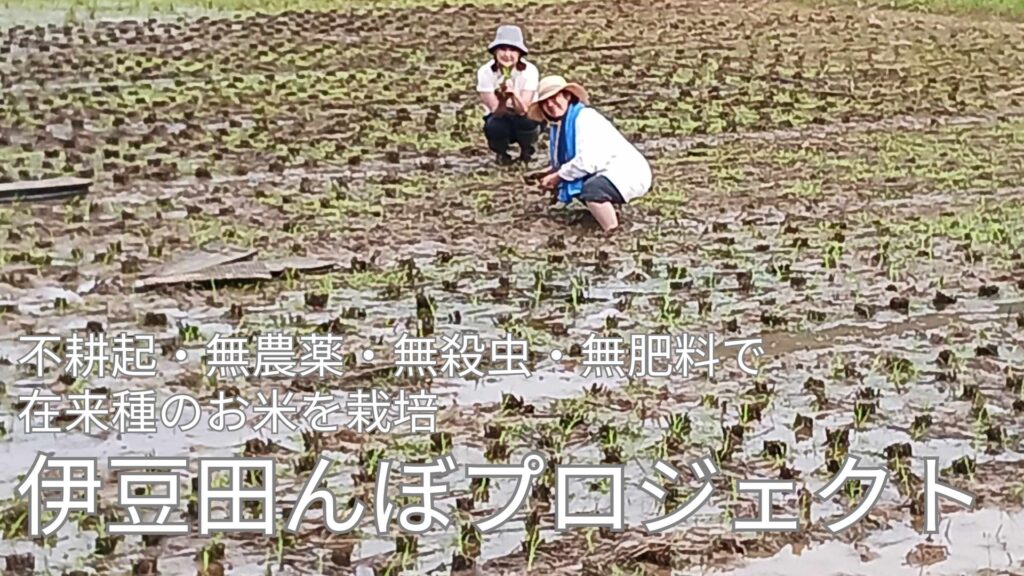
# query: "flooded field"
844,184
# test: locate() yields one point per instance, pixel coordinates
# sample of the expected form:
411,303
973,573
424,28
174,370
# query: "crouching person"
507,85
591,160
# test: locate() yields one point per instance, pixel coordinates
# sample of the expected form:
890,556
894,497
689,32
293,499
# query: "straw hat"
509,35
550,86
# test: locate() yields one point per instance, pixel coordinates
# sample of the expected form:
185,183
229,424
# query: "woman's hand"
517,104
502,107
550,181
514,99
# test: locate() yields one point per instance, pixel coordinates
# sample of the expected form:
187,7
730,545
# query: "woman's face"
506,56
556,106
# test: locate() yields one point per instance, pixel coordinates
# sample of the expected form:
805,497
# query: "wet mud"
843,184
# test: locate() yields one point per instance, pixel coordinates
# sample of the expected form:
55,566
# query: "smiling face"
506,56
556,106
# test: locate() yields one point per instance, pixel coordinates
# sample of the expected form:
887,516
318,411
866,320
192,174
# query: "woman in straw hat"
591,160
507,84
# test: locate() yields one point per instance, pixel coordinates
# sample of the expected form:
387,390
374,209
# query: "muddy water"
982,542
794,357
82,14
705,220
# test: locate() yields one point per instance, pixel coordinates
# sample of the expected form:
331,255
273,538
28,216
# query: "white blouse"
488,80
601,150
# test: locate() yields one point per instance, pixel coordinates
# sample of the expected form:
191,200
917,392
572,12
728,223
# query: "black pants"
502,131
599,189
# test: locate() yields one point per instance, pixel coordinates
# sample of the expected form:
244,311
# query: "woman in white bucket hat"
507,84
591,160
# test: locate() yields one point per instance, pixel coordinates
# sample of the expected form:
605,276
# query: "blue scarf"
562,148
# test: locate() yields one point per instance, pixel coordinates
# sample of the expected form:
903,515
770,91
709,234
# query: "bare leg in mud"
605,214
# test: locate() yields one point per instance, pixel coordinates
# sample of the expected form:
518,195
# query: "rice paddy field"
843,182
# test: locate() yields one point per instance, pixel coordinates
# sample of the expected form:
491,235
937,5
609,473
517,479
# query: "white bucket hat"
548,87
508,35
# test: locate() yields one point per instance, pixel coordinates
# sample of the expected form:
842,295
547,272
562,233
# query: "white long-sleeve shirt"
602,150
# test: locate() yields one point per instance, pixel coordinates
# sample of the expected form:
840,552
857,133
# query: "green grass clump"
1010,9
997,7
84,10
